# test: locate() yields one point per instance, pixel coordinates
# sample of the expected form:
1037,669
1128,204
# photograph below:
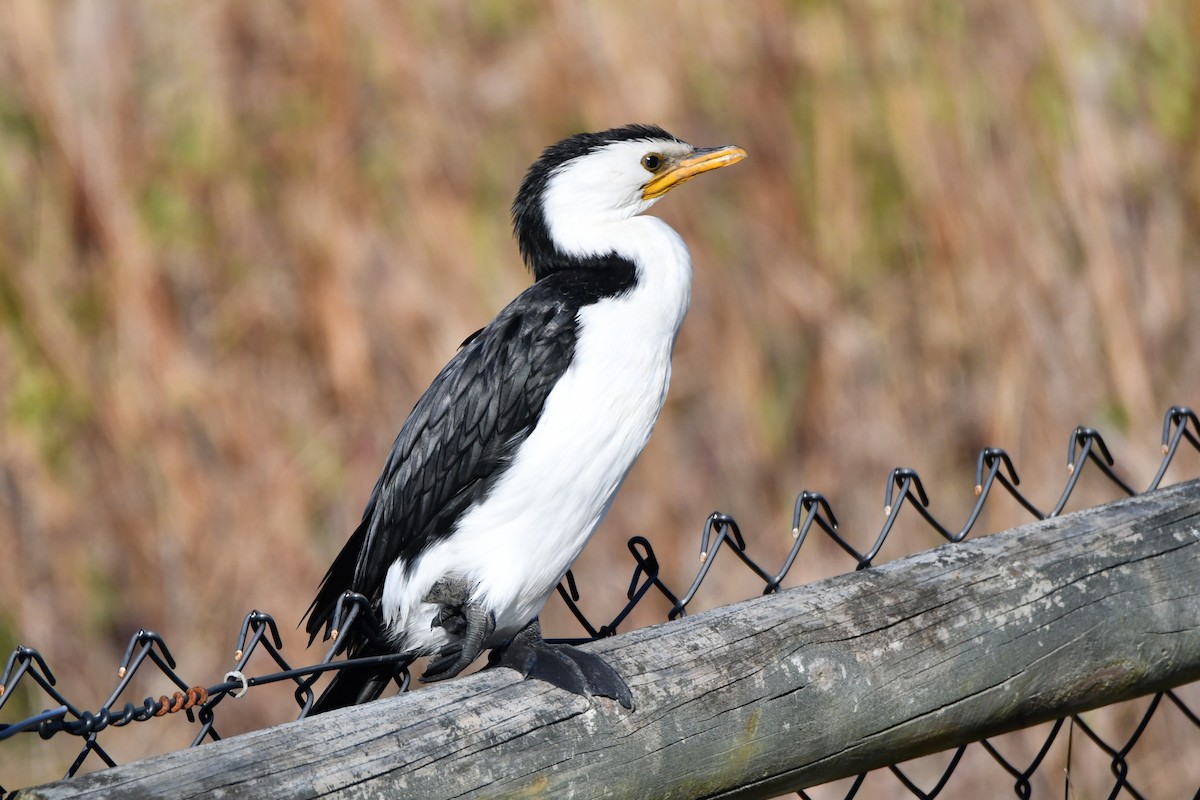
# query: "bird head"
590,181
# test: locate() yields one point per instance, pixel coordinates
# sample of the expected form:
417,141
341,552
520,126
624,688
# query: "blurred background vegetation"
237,240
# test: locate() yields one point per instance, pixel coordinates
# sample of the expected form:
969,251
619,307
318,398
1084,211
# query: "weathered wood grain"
771,694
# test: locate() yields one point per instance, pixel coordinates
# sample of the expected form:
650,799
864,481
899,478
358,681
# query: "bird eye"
652,161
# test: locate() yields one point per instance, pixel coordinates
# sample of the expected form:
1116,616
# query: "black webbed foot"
468,621
562,665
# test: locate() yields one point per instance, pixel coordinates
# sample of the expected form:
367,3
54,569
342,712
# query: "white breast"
517,544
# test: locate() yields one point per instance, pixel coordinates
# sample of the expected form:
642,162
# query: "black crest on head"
529,222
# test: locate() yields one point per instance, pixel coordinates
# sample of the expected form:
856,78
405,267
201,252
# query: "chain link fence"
259,635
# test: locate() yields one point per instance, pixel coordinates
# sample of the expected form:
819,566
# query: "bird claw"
449,619
451,595
442,667
469,622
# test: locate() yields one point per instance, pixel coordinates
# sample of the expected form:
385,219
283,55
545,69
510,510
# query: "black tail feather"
354,685
350,685
336,582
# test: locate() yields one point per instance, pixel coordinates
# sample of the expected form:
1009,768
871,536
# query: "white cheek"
585,196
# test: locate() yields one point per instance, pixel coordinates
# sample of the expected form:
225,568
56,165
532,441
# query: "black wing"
481,406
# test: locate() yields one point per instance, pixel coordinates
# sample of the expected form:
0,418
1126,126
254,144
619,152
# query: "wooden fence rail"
773,694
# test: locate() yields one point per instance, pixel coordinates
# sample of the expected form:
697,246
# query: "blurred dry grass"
238,239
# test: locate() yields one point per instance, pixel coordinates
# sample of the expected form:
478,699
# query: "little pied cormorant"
512,456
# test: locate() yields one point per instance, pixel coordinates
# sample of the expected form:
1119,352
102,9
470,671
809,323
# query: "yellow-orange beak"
687,168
